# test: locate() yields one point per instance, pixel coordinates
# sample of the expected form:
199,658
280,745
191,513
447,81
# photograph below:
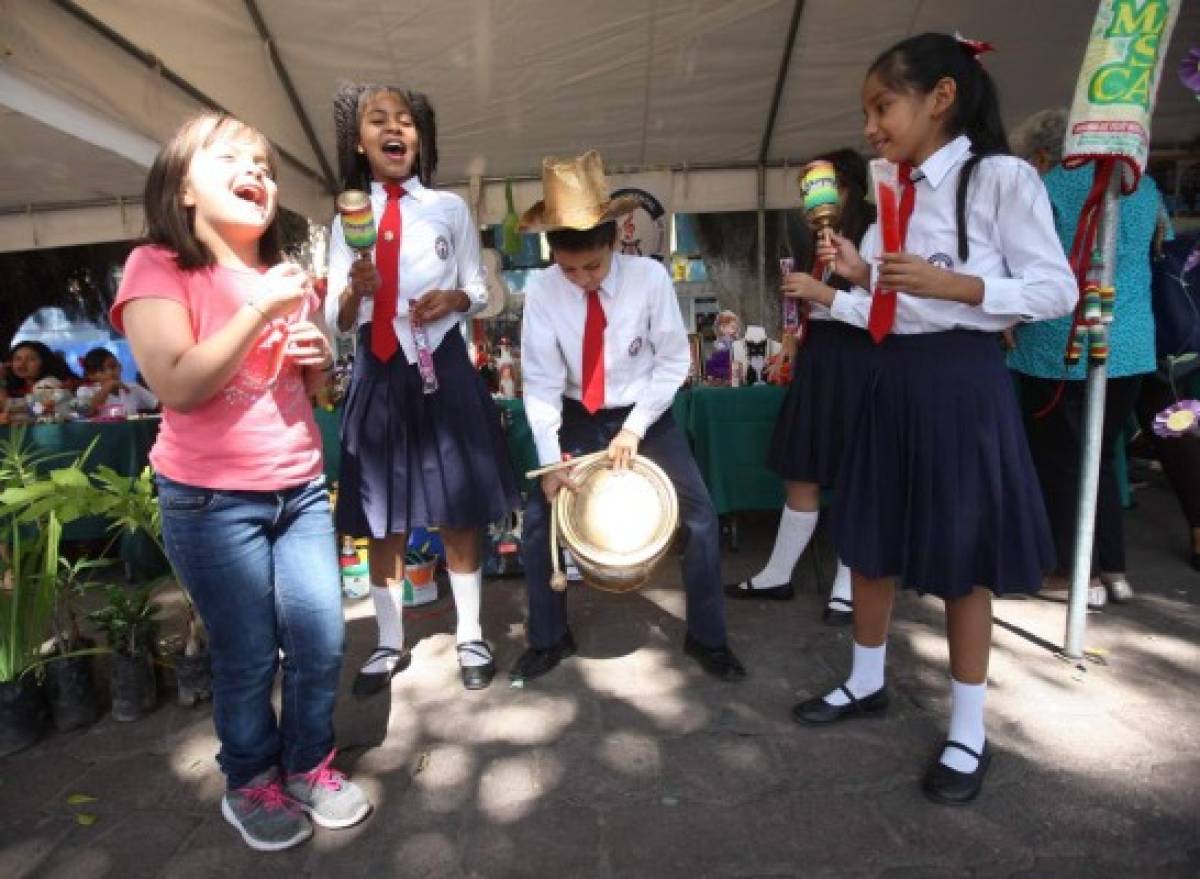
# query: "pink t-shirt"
258,432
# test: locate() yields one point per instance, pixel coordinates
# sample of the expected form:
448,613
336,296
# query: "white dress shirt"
439,250
134,398
1013,248
646,352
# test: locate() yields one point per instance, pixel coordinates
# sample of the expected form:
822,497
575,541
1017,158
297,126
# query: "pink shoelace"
270,795
324,775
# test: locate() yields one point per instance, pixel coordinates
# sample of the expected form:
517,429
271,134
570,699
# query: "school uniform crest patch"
442,247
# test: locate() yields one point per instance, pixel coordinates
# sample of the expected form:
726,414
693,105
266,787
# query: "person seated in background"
102,385
29,363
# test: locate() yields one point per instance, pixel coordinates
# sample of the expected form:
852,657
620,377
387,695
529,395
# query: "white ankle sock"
966,725
841,587
389,606
866,674
468,590
795,530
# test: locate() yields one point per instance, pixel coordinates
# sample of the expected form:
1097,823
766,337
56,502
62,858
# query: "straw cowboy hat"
576,196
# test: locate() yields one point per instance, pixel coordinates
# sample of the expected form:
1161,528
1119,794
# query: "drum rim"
646,558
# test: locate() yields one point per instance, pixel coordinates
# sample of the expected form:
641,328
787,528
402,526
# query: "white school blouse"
1013,248
439,250
646,353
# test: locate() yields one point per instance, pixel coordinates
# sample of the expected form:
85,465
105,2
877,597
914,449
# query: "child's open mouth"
395,149
252,193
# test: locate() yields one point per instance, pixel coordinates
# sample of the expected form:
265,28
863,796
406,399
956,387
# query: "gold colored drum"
617,526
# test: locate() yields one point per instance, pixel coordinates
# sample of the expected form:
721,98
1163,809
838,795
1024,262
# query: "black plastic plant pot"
23,714
143,559
193,678
71,690
134,687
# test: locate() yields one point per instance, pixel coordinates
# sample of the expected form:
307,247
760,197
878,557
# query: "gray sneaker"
327,796
266,817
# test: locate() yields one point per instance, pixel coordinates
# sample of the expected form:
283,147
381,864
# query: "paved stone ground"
629,762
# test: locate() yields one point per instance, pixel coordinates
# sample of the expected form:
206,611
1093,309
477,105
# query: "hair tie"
975,47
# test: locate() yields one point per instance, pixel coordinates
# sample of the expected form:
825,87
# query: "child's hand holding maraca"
364,278
833,247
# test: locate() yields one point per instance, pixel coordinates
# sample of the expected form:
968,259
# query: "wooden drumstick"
564,465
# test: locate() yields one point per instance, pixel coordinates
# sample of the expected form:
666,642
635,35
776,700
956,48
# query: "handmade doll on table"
719,367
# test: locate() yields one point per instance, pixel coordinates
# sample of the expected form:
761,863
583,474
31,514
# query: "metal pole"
1089,476
762,245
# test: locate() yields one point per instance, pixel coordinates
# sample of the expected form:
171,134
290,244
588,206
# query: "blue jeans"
666,446
262,569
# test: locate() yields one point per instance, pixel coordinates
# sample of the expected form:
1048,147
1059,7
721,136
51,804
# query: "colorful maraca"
358,220
819,198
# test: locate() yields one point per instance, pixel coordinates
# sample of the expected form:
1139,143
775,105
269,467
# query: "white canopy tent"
688,99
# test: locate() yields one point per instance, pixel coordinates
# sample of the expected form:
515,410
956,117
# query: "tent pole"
1089,476
785,62
762,245
264,34
152,62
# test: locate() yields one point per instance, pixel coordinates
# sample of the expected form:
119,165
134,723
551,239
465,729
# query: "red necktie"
387,261
883,303
593,353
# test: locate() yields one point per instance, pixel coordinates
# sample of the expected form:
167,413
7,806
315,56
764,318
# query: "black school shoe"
370,683
476,677
534,663
716,661
838,612
818,712
747,590
949,787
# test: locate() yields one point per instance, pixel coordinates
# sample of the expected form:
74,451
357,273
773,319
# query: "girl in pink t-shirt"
219,325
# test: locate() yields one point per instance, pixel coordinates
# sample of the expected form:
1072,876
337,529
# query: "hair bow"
975,47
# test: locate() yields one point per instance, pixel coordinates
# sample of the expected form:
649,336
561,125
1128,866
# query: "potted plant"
25,609
36,504
134,511
25,612
129,623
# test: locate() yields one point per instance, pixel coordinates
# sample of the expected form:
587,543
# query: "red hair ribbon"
975,47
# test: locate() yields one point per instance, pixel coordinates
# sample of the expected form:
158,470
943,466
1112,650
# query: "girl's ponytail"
978,114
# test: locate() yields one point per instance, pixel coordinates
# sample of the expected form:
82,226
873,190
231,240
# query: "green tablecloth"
730,429
329,423
122,445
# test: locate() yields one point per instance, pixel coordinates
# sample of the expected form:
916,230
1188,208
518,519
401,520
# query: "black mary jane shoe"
476,677
370,683
818,712
534,663
746,590
838,612
949,787
716,661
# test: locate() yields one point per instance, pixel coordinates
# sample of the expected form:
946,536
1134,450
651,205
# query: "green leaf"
70,477
79,799
85,819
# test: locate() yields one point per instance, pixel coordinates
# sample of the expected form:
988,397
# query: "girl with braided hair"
412,456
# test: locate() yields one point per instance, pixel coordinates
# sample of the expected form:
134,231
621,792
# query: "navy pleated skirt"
937,486
412,460
829,376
